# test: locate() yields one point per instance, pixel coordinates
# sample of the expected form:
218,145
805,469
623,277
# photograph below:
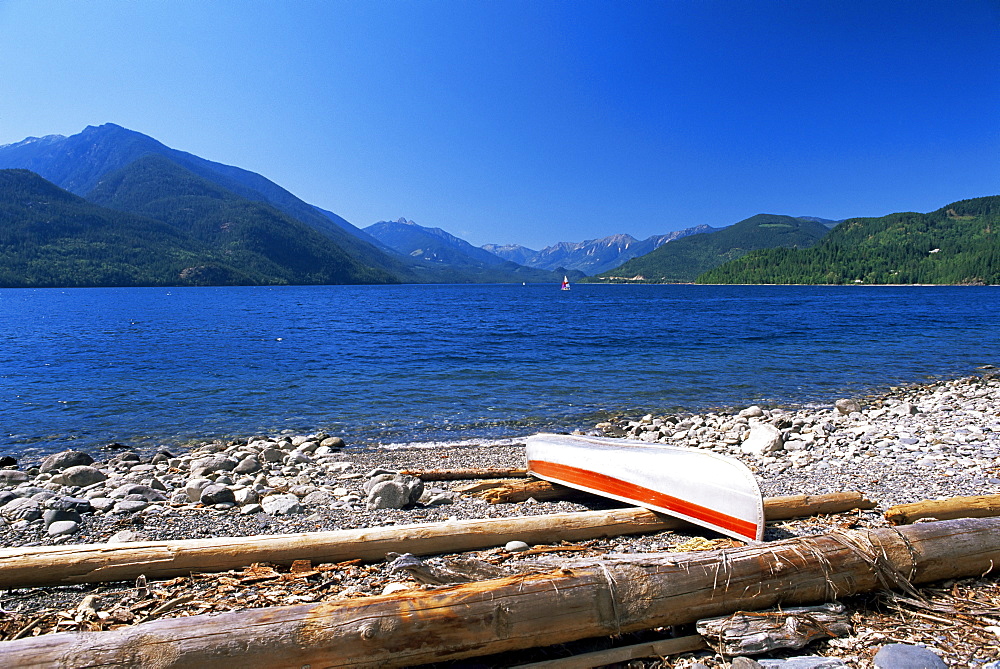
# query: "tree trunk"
95,563
609,597
462,474
980,506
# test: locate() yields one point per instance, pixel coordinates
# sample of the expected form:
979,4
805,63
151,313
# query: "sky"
536,121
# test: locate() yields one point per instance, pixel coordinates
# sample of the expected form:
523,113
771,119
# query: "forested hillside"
959,243
248,234
683,260
49,237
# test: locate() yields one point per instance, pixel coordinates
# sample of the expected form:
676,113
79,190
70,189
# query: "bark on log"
519,491
977,506
463,474
95,563
534,610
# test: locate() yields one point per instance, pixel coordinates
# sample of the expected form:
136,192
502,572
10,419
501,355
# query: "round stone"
217,494
61,527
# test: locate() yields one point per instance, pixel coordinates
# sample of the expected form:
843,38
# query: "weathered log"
94,563
787,507
463,474
756,632
612,597
976,506
499,492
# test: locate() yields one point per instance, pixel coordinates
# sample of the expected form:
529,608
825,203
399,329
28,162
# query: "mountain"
512,252
957,244
249,234
50,237
77,163
434,246
430,244
594,255
684,259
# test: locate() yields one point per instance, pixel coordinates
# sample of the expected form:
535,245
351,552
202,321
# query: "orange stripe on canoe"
642,496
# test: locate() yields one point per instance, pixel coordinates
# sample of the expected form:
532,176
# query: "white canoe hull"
699,486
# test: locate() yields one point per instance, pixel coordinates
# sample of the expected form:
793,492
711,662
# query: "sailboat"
565,283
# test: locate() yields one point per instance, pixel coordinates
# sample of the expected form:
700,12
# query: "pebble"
920,442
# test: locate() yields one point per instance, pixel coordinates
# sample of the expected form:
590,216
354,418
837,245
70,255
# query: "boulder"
194,487
281,505
764,438
375,479
319,498
272,455
50,516
847,406
248,465
126,536
145,492
333,443
906,656
752,412
12,476
388,495
129,506
102,504
22,508
64,460
246,496
80,476
213,463
62,527
217,494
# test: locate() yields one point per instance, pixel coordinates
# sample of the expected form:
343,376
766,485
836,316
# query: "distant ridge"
683,260
956,244
435,246
594,255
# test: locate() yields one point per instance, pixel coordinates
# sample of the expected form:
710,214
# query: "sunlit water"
403,364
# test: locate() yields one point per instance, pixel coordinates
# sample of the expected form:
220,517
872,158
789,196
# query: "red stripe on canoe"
612,486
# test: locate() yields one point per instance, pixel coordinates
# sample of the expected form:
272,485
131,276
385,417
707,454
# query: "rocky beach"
907,444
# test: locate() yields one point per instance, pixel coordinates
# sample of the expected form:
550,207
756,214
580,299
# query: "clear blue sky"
536,121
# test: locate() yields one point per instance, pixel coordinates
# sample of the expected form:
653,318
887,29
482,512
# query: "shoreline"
909,443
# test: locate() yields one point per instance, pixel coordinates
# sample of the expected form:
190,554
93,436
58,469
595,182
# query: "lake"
460,363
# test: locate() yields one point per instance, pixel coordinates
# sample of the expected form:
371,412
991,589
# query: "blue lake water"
404,364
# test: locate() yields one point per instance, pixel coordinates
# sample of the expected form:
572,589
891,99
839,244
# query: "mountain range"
592,256
685,259
110,206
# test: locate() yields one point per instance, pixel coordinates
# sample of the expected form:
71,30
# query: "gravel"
907,444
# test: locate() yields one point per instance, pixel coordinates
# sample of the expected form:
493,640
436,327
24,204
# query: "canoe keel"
702,487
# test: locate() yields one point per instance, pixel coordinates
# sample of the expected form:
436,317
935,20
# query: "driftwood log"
756,632
501,491
977,506
462,474
608,598
94,563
